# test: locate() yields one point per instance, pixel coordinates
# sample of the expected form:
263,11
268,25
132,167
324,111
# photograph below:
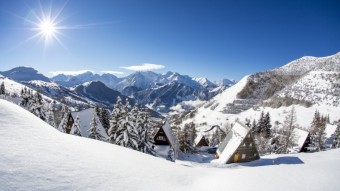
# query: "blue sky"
214,39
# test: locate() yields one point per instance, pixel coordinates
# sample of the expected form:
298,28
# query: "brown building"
238,146
201,141
164,135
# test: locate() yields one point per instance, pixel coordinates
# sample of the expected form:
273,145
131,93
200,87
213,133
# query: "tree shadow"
288,160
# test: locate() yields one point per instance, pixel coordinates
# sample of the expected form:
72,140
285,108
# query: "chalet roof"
301,137
85,117
231,142
198,138
168,132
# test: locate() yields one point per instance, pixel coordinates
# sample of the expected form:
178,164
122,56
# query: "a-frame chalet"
164,135
303,140
201,141
85,117
238,146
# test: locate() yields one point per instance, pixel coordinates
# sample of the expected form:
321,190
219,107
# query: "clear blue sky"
215,39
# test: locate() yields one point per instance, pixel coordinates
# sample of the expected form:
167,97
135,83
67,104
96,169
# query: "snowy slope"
317,87
35,156
24,74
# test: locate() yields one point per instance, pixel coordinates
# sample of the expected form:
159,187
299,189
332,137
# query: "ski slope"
35,156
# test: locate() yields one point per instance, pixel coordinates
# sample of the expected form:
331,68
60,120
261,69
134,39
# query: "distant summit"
24,74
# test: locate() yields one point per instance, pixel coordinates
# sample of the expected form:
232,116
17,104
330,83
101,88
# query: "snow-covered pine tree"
24,101
63,124
336,143
189,138
145,139
171,155
126,134
261,125
2,89
36,106
288,138
75,130
114,121
94,130
105,119
317,131
50,115
267,130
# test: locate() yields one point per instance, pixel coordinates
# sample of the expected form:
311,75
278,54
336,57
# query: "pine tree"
50,115
126,134
267,128
75,130
114,122
336,143
63,124
288,138
36,105
171,155
94,130
145,139
317,131
105,119
261,124
189,138
2,89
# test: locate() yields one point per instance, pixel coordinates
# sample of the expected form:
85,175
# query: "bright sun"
47,28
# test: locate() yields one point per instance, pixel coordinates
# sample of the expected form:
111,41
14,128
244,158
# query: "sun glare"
47,28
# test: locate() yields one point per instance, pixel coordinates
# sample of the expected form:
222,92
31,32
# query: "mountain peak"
23,73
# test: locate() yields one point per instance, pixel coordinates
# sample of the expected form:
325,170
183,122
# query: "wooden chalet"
238,146
85,117
201,141
164,135
303,140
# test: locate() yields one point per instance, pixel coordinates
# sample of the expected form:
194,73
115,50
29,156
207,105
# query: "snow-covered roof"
231,142
301,136
330,130
168,132
198,138
86,117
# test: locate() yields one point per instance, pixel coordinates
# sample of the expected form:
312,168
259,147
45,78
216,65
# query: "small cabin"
201,141
85,117
303,140
238,146
164,135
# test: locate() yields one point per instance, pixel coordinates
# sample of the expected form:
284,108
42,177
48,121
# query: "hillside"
35,156
308,84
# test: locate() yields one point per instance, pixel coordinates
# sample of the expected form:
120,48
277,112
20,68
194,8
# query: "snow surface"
35,156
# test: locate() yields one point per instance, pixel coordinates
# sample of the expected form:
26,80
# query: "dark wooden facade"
246,151
306,144
70,122
160,138
203,142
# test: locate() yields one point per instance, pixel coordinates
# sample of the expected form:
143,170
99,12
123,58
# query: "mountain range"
160,91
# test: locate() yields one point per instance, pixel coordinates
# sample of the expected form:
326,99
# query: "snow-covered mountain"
98,92
35,156
205,82
24,74
161,91
308,84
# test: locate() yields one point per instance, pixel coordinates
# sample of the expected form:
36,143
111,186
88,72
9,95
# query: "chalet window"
161,138
243,156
